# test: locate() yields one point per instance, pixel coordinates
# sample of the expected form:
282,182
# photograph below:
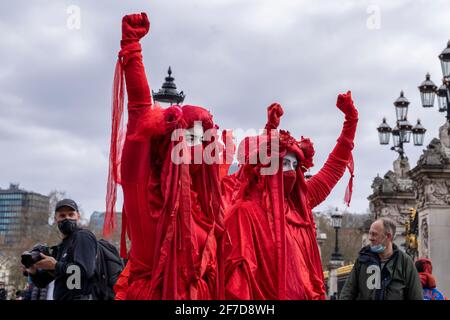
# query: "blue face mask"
379,248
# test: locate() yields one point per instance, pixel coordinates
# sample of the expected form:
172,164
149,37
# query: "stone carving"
392,183
420,192
424,250
433,192
398,213
377,184
401,167
393,195
389,183
444,135
435,154
389,211
405,185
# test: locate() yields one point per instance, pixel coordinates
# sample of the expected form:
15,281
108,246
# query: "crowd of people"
381,271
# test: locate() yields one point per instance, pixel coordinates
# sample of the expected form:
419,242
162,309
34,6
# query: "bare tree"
54,196
350,236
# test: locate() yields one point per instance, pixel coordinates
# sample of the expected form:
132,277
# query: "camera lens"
27,259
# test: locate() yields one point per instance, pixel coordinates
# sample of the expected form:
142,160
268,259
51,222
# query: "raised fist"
274,113
135,26
345,104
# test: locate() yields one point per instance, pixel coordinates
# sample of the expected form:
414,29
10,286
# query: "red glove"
135,26
274,113
345,104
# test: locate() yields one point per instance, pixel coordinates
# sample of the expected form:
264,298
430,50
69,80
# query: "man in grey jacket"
382,271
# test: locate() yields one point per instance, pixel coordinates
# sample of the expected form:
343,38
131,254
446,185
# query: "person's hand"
31,270
274,113
135,26
47,263
345,104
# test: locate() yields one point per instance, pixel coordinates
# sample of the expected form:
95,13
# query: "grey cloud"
233,57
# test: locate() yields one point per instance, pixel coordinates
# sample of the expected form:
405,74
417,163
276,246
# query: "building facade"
97,220
96,226
20,212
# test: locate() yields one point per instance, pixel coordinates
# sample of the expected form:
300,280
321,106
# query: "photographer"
71,263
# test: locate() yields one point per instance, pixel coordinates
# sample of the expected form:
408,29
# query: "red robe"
273,252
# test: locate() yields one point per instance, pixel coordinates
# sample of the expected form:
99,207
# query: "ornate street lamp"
442,97
405,130
384,132
401,133
336,220
168,94
401,107
443,93
396,136
445,61
418,133
427,90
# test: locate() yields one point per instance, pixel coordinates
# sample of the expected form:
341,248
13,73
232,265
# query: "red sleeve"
135,153
138,90
321,184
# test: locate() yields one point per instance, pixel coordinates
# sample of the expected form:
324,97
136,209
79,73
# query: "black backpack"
108,267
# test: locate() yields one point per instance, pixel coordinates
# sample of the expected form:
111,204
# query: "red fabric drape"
175,227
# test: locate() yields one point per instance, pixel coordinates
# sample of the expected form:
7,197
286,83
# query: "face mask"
289,178
196,163
379,248
67,226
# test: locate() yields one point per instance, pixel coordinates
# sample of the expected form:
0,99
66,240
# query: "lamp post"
428,90
168,94
336,220
336,260
401,133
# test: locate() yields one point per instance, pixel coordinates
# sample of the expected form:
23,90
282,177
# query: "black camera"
29,258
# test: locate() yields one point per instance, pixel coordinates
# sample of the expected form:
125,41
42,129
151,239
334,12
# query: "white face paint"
289,162
194,135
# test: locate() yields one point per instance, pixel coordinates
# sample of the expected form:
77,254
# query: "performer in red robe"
172,212
272,252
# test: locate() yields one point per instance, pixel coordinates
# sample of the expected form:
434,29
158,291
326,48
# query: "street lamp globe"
445,61
418,133
336,219
396,136
384,132
401,107
427,90
442,98
405,130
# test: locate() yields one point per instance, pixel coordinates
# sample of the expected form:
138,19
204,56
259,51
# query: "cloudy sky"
234,57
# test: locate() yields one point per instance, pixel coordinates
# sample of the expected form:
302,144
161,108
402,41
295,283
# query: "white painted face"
289,162
194,135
